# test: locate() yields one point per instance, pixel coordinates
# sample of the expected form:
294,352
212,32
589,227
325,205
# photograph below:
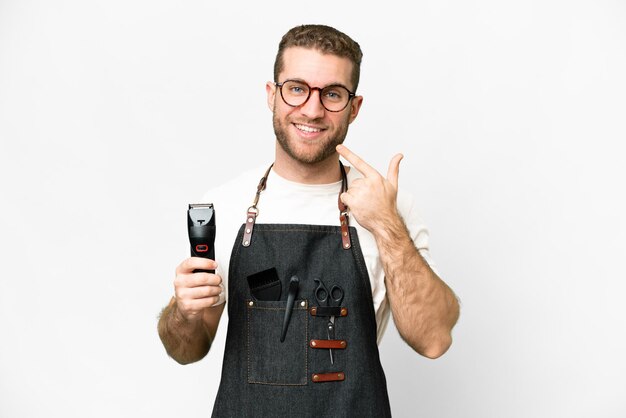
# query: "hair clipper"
201,228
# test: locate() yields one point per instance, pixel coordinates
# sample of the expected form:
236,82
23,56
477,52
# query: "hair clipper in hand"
201,228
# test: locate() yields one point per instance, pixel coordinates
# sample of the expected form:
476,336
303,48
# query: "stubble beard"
324,151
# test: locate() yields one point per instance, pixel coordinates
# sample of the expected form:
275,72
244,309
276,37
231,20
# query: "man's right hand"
196,291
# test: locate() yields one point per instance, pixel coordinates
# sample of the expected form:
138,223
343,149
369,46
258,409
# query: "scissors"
332,298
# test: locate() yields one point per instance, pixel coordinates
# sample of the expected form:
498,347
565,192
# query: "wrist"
178,318
390,227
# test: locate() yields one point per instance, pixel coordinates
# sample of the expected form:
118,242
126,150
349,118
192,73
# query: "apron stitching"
306,352
278,384
335,232
248,340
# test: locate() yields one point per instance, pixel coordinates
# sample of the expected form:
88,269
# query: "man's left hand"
372,199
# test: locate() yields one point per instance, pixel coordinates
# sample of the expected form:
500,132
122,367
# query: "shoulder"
243,186
233,197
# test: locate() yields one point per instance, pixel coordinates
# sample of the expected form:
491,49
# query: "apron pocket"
270,361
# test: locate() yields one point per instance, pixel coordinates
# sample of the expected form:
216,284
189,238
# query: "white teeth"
307,128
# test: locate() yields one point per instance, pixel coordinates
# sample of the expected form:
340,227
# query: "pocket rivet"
251,303
303,303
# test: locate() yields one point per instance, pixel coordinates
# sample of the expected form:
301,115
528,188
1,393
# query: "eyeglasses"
334,98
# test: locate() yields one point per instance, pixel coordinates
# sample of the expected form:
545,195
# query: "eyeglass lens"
296,93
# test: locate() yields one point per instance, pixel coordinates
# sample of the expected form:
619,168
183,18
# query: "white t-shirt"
286,202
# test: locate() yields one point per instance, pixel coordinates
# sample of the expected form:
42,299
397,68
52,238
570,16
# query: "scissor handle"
336,295
321,293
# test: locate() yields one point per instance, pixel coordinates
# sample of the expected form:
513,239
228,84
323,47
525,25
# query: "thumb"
394,170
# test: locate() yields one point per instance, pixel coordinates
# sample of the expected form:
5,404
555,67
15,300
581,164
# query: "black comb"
265,285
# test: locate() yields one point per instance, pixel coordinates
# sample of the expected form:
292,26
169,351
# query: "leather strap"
344,220
333,344
253,211
343,211
328,311
328,377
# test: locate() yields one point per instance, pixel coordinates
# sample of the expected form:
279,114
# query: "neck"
323,172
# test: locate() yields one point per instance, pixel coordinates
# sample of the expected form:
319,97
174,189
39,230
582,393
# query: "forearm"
424,308
184,340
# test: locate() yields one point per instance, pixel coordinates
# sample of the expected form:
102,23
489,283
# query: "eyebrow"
333,84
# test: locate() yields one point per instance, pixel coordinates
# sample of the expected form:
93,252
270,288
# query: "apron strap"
253,211
343,211
344,220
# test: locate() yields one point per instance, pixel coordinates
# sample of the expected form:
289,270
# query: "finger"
346,198
394,170
356,161
192,263
200,292
198,279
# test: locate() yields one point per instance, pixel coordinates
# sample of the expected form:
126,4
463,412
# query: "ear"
270,88
355,106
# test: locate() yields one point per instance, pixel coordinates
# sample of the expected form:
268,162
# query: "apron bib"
264,377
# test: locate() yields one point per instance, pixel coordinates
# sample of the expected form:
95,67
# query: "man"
341,241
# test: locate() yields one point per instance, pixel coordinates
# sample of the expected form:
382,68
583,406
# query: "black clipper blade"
201,228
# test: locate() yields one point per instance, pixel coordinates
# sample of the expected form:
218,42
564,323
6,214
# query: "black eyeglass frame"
351,95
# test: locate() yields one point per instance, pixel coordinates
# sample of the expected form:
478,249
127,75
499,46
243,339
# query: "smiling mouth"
307,129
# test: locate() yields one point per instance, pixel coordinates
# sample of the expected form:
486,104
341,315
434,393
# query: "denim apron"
264,377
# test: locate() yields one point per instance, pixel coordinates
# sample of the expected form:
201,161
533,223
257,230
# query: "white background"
511,115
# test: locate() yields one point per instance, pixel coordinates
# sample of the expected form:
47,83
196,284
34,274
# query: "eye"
334,94
294,88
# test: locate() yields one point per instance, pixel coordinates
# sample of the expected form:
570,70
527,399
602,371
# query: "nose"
313,108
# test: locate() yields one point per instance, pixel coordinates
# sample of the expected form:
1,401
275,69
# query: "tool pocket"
270,361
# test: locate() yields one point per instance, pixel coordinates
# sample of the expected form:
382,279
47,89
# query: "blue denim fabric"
262,377
275,363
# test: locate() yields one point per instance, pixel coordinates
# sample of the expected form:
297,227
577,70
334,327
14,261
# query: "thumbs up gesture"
372,198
